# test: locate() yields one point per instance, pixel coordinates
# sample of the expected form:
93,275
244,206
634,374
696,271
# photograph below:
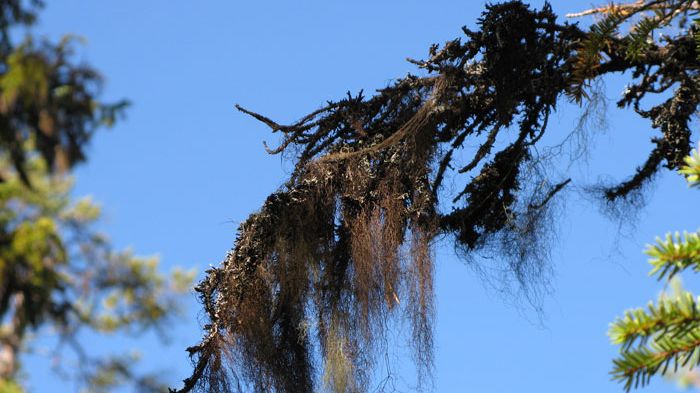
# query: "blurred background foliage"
58,273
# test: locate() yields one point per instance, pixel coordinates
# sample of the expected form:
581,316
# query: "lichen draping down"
304,298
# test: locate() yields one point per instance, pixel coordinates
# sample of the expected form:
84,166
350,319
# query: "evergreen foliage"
691,170
46,96
675,254
345,246
58,273
667,334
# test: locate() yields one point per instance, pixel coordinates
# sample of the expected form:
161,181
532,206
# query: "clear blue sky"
178,175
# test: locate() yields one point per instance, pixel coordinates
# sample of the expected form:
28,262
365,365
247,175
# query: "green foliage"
590,54
117,371
67,274
58,273
635,367
671,316
646,21
46,96
665,335
674,254
639,39
7,386
691,170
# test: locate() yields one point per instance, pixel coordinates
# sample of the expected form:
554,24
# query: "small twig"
550,195
266,120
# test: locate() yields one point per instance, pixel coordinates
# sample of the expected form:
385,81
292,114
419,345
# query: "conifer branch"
671,316
668,332
691,170
674,254
328,248
636,367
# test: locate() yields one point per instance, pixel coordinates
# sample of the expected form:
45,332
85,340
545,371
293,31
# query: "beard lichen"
301,301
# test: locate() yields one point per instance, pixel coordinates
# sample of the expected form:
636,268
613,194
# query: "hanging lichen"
303,299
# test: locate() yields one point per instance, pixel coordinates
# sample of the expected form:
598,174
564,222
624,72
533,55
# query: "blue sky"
178,175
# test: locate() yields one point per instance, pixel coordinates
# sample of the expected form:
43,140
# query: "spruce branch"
674,254
670,316
668,332
636,367
691,169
